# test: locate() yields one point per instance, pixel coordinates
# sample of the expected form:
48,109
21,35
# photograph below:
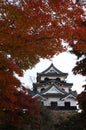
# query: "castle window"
46,79
53,104
67,104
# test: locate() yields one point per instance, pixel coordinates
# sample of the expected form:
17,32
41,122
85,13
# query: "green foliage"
45,119
75,122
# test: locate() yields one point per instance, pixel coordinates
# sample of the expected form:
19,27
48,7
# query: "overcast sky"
64,62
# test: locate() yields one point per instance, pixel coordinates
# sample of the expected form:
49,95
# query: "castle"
53,91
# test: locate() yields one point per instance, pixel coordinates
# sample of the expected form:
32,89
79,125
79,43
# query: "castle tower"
53,91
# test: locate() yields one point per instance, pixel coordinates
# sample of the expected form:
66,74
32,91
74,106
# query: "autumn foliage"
30,29
79,49
16,106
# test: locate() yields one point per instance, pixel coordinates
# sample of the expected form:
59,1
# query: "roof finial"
52,61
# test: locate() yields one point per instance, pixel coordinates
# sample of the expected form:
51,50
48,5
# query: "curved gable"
52,69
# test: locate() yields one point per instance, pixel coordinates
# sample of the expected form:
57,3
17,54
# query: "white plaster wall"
49,100
49,77
43,77
71,100
62,78
60,102
53,90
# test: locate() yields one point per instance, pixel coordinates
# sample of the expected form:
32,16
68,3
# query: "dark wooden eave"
39,84
58,89
53,74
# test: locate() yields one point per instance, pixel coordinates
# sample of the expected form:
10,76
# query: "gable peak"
53,69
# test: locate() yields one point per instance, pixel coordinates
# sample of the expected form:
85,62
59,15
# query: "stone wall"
59,116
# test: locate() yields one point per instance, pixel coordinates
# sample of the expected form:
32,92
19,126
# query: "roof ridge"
57,70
